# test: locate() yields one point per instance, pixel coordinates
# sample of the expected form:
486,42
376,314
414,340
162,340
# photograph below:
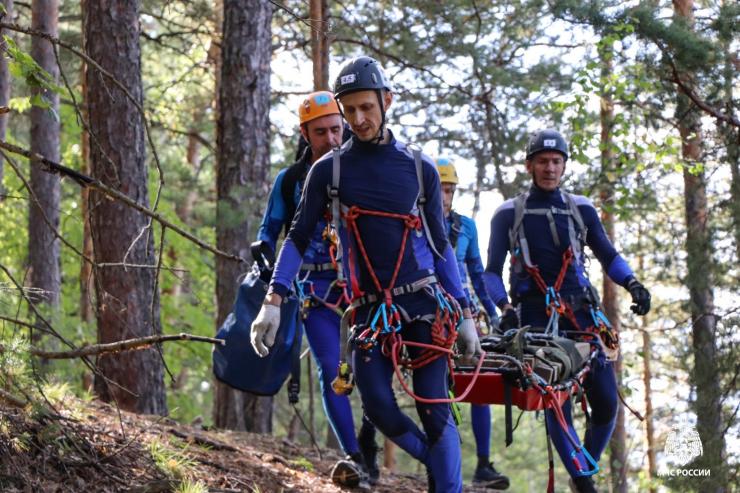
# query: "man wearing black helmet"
545,230
394,248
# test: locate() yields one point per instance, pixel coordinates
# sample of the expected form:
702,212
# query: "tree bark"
87,284
705,374
319,18
647,378
618,442
4,89
43,214
242,175
127,303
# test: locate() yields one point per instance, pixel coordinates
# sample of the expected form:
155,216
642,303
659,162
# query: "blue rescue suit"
600,383
321,323
383,178
465,236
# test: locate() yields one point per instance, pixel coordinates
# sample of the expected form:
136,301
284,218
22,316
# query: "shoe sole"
496,484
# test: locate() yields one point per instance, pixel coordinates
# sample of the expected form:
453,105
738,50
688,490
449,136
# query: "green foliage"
171,460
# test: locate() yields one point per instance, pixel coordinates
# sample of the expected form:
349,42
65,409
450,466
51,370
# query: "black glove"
640,297
509,320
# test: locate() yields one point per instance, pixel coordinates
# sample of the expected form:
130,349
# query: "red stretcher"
491,387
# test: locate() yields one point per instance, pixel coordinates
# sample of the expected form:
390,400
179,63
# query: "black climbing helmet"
360,74
547,140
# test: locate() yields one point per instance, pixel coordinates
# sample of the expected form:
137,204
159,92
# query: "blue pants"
438,446
480,420
600,386
322,332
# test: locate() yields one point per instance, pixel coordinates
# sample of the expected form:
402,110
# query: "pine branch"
114,347
87,181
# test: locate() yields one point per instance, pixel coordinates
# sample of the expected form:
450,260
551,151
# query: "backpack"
236,363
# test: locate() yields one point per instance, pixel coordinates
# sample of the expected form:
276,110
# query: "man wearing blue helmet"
463,236
395,252
545,230
325,298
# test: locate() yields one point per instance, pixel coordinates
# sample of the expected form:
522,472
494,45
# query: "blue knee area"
444,460
480,419
373,375
568,452
601,391
322,332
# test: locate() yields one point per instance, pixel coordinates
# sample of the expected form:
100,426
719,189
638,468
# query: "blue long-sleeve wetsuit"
470,266
321,323
600,383
383,178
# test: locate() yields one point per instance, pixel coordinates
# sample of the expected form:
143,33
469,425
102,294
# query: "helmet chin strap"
377,140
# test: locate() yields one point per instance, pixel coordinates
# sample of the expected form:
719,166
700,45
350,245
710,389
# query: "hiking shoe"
583,484
487,476
350,474
369,452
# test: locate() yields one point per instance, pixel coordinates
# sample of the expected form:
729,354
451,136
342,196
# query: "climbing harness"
555,306
384,322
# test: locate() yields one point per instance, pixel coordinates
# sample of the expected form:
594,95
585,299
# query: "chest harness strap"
385,318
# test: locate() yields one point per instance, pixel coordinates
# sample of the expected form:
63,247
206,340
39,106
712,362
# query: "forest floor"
93,447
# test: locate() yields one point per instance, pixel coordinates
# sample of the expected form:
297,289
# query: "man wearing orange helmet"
325,299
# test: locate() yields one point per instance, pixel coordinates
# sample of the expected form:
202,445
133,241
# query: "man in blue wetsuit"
545,230
322,128
463,236
396,265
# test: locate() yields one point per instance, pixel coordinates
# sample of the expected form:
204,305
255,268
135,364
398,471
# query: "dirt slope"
92,447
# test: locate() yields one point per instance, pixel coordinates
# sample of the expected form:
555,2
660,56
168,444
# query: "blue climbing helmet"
546,140
363,73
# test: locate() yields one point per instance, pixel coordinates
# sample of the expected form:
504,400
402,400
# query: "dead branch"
11,399
114,347
87,181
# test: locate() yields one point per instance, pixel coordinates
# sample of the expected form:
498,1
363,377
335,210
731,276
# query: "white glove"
264,329
468,343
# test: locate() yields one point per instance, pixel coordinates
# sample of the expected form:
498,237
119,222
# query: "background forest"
139,138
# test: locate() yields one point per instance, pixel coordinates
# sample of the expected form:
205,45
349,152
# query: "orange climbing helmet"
317,104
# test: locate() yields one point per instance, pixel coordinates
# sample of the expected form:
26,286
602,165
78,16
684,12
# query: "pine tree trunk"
618,446
705,374
647,378
4,88
389,455
242,175
43,214
319,18
127,303
87,284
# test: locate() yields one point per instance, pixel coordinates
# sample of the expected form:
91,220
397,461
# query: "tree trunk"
731,136
127,303
647,378
87,284
242,175
43,214
4,88
618,442
319,19
389,455
705,374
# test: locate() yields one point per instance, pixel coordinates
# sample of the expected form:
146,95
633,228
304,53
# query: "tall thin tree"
243,168
4,86
618,446
705,373
43,214
126,299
